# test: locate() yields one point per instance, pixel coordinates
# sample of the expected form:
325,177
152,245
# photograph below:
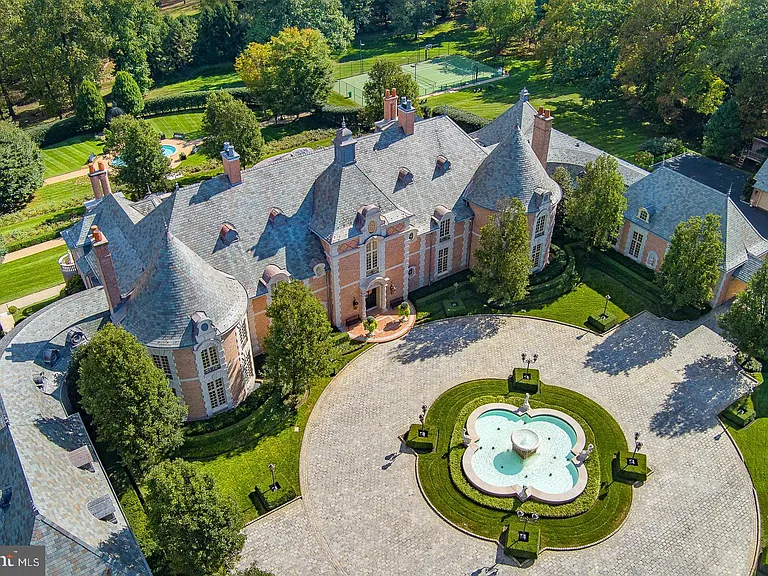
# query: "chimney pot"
101,165
394,91
386,93
91,168
547,113
541,110
96,234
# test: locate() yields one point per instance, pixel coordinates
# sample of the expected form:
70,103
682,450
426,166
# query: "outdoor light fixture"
392,288
355,303
607,299
274,487
529,359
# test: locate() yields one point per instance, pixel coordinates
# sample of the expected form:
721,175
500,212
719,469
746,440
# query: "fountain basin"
510,448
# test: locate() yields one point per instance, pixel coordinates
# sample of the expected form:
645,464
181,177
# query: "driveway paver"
362,511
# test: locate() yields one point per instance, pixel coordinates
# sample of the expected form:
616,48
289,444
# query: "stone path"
29,250
362,513
32,298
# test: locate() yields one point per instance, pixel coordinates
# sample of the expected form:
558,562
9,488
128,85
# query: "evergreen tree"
220,33
126,94
502,259
746,321
722,134
230,120
196,526
174,50
298,343
692,263
21,168
385,75
90,108
129,399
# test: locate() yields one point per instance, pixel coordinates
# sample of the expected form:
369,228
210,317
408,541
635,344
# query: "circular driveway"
362,511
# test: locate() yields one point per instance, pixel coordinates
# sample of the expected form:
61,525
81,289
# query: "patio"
388,327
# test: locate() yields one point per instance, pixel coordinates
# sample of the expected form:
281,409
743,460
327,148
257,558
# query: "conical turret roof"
176,284
512,170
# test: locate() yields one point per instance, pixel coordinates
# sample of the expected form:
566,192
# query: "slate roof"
512,170
748,269
676,198
49,503
761,178
176,284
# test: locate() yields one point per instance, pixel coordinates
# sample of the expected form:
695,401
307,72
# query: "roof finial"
343,122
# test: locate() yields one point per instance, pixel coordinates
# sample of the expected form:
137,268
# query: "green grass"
752,443
187,123
27,311
606,515
181,7
213,77
70,155
30,274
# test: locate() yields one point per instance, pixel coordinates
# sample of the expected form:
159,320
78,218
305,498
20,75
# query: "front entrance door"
372,298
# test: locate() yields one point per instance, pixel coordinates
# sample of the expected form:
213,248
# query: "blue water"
168,150
549,469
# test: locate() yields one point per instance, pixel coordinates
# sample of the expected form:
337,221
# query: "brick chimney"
106,268
406,116
390,105
99,180
231,161
542,131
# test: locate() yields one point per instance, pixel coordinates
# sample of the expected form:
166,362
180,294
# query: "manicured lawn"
187,123
605,516
752,443
181,7
204,78
70,155
30,274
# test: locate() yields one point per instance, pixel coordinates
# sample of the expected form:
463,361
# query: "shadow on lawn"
709,385
438,339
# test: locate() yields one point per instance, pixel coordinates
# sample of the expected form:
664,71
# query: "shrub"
73,286
404,310
21,168
126,94
90,109
517,548
740,413
422,443
630,472
752,365
524,380
55,132
466,120
370,324
662,146
602,323
293,141
454,307
12,310
331,116
644,159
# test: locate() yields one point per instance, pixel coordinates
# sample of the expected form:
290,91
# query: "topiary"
126,94
89,106
370,324
12,310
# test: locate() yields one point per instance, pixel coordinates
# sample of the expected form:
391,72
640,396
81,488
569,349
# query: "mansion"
361,223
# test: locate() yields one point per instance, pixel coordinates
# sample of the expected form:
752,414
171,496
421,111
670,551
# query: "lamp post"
605,309
529,359
274,487
361,56
423,415
638,444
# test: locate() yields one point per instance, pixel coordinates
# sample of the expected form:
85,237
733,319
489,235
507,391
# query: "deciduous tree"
220,33
126,94
746,321
595,207
502,258
722,134
385,75
505,20
196,526
692,263
90,108
129,399
174,50
298,343
21,168
409,16
134,26
230,120
269,17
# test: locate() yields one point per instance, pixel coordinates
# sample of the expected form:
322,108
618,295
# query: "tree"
3,250
135,27
502,259
173,53
385,75
505,20
692,263
129,399
746,321
409,16
230,120
253,570
126,94
144,166
21,168
290,74
90,108
662,57
722,134
595,207
298,343
565,181
196,526
220,33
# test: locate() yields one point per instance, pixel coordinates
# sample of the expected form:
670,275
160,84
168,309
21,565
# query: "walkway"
362,511
29,299
28,251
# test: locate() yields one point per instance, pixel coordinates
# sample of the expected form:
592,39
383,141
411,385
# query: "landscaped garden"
595,514
31,274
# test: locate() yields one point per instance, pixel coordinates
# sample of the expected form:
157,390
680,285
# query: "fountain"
525,442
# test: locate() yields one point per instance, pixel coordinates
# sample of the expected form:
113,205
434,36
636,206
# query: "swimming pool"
167,149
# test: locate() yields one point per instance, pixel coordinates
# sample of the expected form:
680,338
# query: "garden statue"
584,455
526,403
524,494
467,438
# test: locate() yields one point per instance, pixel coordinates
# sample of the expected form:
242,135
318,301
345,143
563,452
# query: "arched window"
372,257
652,260
643,214
541,223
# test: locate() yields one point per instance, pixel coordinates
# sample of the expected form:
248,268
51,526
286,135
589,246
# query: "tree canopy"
722,134
745,323
502,258
129,399
196,526
692,264
230,120
505,20
21,168
90,108
409,16
595,207
385,75
220,32
270,17
298,344
126,94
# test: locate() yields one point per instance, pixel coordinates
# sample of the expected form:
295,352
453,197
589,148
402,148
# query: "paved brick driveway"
362,512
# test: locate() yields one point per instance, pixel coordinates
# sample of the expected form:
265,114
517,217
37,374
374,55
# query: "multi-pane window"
634,246
164,364
245,351
642,214
442,261
242,334
210,357
372,257
445,229
216,393
536,255
540,226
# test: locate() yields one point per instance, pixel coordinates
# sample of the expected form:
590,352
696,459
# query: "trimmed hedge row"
630,472
466,120
192,101
518,382
332,116
55,132
602,323
416,442
740,413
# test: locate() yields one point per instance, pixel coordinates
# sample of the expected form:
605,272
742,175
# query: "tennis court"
433,75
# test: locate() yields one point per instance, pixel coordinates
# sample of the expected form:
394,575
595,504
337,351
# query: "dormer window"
103,509
404,177
81,458
228,233
442,163
643,214
5,496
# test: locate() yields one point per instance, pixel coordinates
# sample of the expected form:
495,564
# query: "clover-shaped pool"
511,448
